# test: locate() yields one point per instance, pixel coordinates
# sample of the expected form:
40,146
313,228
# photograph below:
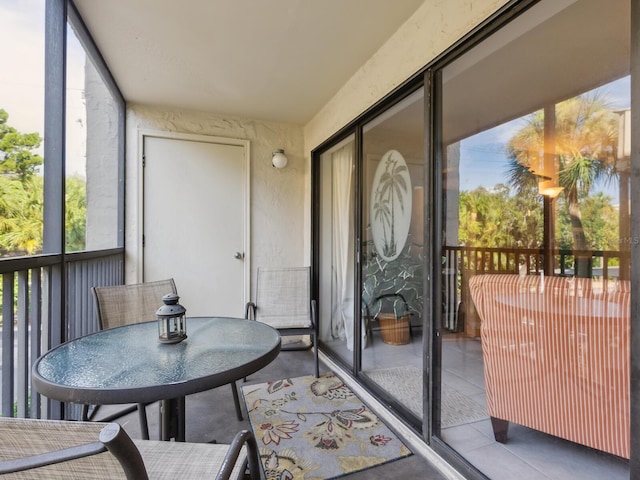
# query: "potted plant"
395,325
392,292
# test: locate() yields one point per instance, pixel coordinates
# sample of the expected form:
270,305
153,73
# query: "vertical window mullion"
635,234
54,174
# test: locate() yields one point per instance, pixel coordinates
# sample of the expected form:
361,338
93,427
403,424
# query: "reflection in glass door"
393,254
536,235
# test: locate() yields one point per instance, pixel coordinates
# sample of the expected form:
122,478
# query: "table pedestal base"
172,419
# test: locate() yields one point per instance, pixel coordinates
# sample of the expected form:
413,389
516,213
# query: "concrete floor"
211,416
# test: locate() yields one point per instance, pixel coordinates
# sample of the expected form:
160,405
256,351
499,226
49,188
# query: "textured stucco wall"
101,162
277,196
433,28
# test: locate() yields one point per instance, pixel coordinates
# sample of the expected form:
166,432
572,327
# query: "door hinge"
144,160
143,241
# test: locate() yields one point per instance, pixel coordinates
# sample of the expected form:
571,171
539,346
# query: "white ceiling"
278,60
554,52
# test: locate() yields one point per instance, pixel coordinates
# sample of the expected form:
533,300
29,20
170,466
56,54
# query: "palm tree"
586,132
392,186
382,214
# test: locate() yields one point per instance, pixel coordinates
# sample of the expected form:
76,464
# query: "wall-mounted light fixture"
547,174
279,159
549,188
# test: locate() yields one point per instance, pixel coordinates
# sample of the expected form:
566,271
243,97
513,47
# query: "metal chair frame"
283,300
47,443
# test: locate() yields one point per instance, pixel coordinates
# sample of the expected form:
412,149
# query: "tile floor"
529,454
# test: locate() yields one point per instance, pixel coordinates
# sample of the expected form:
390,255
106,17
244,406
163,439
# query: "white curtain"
343,261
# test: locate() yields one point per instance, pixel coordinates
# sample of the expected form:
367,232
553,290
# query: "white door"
195,220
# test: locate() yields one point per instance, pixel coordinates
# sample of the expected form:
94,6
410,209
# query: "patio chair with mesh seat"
56,449
120,305
283,300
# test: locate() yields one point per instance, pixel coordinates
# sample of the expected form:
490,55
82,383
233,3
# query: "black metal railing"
28,287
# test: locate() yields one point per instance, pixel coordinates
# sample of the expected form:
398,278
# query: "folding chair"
65,450
283,300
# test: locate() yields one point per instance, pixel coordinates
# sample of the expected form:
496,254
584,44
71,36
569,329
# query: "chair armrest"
242,437
250,311
51,458
112,438
122,447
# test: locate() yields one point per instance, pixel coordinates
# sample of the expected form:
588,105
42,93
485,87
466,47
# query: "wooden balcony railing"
460,263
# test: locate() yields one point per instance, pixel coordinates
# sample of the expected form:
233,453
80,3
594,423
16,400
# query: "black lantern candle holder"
172,324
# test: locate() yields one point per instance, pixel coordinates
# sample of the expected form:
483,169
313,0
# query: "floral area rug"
316,428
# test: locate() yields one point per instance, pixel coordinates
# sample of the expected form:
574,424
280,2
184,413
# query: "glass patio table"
129,365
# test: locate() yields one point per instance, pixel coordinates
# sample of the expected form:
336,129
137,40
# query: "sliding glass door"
526,170
371,252
393,253
535,165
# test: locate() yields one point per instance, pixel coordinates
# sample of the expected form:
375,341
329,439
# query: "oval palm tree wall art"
390,213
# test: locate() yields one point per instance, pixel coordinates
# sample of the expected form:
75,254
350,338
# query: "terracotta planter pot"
395,331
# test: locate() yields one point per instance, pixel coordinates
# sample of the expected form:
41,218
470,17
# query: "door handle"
239,255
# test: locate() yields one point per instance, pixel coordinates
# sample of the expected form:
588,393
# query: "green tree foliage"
21,196
502,218
600,219
16,150
21,191
76,213
497,218
20,216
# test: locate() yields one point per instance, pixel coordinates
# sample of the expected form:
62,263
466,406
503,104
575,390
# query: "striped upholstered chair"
556,356
61,450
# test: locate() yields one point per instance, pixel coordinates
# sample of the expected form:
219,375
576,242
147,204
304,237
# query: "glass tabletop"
129,364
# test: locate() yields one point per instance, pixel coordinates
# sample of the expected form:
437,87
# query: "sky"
483,161
22,63
22,76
